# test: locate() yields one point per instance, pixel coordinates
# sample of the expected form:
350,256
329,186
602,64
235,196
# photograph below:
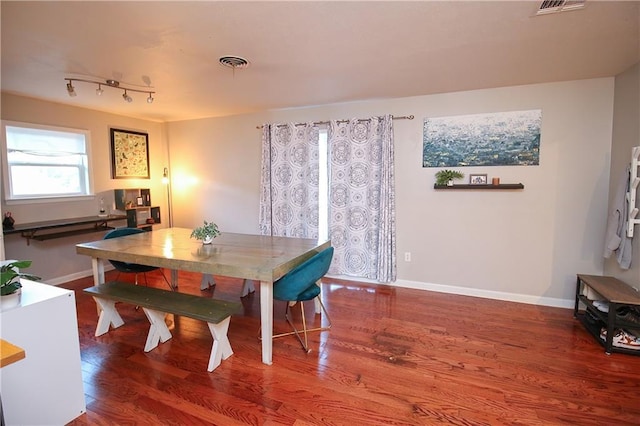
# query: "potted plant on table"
446,177
206,233
10,282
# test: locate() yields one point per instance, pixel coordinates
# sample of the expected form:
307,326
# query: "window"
45,162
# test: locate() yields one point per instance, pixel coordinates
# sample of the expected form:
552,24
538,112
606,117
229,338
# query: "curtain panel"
289,180
362,198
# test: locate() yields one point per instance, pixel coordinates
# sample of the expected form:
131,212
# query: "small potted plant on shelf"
10,286
206,233
446,177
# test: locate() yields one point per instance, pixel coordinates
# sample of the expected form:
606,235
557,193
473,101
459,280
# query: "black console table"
80,225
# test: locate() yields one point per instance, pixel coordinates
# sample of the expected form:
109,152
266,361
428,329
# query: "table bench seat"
156,303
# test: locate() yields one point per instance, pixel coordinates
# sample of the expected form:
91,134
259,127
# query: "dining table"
260,258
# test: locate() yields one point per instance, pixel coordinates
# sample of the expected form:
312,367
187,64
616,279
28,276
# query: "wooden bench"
156,303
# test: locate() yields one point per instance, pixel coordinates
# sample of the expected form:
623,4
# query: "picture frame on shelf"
478,179
129,154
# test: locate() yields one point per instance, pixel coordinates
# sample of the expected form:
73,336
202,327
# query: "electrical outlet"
407,256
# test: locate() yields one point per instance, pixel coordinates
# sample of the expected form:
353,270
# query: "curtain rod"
316,123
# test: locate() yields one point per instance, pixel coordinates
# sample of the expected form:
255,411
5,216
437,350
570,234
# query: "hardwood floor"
393,356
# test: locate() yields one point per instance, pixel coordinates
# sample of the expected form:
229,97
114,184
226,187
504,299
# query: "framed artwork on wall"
129,154
510,138
478,179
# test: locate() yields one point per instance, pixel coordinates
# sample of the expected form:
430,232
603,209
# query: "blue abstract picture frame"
493,139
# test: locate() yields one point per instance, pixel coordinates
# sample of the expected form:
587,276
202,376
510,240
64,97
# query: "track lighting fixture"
108,83
71,89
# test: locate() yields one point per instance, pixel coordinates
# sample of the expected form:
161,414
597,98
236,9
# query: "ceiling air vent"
233,62
555,6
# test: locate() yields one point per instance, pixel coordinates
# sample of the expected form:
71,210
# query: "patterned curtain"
289,180
362,198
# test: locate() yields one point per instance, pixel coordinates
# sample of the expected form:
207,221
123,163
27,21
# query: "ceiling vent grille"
233,62
555,6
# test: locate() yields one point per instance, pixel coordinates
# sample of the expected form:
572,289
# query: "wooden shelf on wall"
480,187
84,225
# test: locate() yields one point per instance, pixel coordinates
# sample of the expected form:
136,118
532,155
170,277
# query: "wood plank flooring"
394,356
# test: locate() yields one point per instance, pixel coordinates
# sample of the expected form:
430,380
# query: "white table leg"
108,316
98,270
316,301
158,332
221,348
266,320
98,278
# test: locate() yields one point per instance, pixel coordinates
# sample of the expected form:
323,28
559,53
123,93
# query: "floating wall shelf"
86,225
481,187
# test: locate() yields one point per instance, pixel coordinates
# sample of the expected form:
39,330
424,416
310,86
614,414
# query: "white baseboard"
75,276
418,285
474,292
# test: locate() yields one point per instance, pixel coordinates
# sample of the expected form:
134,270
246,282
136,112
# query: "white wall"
56,260
517,245
626,135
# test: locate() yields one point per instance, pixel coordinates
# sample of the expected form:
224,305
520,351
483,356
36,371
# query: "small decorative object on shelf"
103,211
446,177
8,221
478,179
10,282
206,233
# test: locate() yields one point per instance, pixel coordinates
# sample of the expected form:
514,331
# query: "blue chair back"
300,283
123,266
121,232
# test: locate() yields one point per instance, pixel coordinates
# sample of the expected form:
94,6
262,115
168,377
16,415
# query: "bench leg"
158,332
221,347
108,315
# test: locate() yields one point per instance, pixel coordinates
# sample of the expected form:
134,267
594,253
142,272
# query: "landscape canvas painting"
496,139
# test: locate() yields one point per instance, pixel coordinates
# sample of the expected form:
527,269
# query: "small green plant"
444,176
10,276
209,229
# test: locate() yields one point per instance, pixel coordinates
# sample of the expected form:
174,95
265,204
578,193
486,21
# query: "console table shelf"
83,225
485,187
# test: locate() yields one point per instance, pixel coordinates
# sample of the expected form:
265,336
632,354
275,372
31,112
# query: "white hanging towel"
616,239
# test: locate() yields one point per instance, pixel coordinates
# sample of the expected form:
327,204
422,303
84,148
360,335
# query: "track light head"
70,89
126,97
99,90
150,99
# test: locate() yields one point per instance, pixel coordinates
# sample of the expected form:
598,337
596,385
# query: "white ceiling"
302,53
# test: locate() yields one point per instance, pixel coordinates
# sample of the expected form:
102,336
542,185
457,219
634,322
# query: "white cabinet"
46,386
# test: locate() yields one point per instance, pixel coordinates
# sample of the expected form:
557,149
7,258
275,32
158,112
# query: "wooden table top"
255,257
10,353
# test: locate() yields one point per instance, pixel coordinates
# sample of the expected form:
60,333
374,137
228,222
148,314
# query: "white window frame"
11,198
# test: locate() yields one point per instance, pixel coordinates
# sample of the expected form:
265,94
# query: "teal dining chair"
300,285
132,268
